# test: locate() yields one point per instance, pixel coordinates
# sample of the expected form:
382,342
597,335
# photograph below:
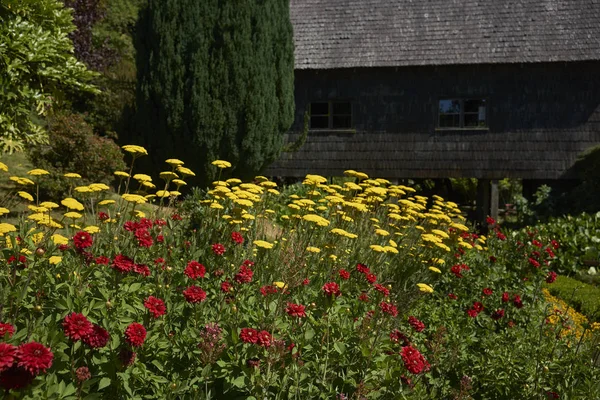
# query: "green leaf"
339,347
104,382
239,382
309,334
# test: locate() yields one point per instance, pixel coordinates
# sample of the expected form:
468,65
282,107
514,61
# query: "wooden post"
494,200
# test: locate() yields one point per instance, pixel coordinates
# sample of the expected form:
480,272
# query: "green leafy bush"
581,296
74,147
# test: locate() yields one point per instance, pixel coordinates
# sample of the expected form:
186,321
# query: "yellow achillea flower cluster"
573,322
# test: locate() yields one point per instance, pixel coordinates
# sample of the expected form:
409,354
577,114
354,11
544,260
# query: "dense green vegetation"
215,80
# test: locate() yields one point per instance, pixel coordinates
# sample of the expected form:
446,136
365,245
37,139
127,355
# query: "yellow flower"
436,270
142,178
26,196
54,260
4,210
460,227
320,221
174,193
73,215
59,239
425,288
179,182
106,202
280,285
137,214
91,229
377,248
5,228
314,179
163,193
243,202
312,249
21,181
393,243
134,198
83,189
72,204
263,244
216,206
49,204
121,174
98,187
221,164
440,233
381,232
174,162
185,171
135,150
72,175
233,181
390,249
37,172
148,185
3,167
168,175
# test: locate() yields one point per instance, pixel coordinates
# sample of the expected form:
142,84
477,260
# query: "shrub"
74,147
581,296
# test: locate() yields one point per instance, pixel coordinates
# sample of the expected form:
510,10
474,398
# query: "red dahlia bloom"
490,221
417,325
363,269
8,354
194,294
472,313
122,263
382,289
550,279
414,360
306,281
452,296
517,301
477,306
6,329
371,278
534,262
493,259
237,237
249,335
102,260
135,334
487,291
218,249
82,240
176,217
156,306
160,222
498,314
83,374
143,237
264,339
505,297
295,310
268,289
388,308
331,289
22,261
245,274
34,357
127,357
102,216
195,270
363,297
345,275
141,269
98,338
226,287
554,244
77,326
396,336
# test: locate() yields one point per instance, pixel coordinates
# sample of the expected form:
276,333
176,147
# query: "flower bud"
40,252
38,308
108,304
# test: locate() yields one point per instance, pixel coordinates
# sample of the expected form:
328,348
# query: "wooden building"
489,89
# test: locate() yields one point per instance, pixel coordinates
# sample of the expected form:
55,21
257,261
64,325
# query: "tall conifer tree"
215,80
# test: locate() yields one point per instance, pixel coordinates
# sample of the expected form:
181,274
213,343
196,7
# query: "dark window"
462,113
331,115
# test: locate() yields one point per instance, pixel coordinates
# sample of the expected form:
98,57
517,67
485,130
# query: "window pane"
449,106
341,122
319,108
449,120
342,108
317,122
472,105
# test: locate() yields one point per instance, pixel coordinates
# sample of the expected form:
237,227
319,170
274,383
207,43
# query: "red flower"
550,252
396,336
550,279
362,268
237,237
331,289
537,244
249,335
194,294
160,222
472,313
83,374
500,235
82,240
554,244
22,261
493,259
345,275
371,278
7,356
226,287
98,338
517,301
268,289
245,274
122,263
218,249
534,262
15,378
295,310
452,296
477,306
143,237
498,314
552,395
487,292
306,281
102,216
6,329
388,308
141,269
417,325
160,238
77,326
127,356
135,334
176,217
156,306
102,260
264,339
195,270
490,221
382,289
363,297
456,269
413,360
34,357
505,297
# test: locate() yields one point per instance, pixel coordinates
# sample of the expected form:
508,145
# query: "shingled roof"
385,33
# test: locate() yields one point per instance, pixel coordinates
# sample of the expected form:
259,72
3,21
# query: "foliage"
74,147
341,293
215,79
37,67
583,297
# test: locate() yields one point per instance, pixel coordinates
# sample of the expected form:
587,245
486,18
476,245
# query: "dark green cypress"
215,81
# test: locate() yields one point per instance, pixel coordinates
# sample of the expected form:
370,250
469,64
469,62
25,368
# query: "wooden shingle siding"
331,34
540,117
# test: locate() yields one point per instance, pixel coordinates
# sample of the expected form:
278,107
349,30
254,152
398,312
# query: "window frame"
462,114
330,115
